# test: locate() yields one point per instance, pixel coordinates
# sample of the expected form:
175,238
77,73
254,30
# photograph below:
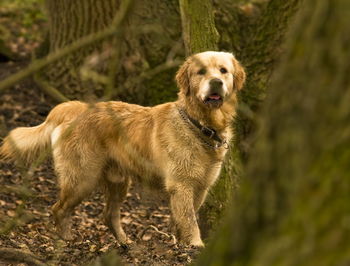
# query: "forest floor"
26,223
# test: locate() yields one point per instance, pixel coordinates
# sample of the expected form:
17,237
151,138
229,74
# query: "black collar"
207,131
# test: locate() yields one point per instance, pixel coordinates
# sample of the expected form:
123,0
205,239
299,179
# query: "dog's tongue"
214,97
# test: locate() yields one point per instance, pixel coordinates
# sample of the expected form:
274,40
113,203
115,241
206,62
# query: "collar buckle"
208,132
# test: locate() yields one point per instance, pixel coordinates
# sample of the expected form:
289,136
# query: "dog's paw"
126,244
126,241
197,243
121,237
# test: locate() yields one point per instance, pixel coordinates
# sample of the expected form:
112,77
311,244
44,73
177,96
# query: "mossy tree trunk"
260,47
293,206
200,34
198,26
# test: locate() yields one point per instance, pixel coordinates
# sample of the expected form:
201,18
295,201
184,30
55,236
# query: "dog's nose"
216,83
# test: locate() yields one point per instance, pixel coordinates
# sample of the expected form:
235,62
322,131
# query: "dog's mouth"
214,100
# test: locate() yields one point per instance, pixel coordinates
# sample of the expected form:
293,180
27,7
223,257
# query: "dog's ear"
182,79
239,75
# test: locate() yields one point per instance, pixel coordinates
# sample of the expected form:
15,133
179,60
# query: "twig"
163,233
174,49
39,64
17,255
160,68
88,73
146,75
48,89
114,63
158,231
113,67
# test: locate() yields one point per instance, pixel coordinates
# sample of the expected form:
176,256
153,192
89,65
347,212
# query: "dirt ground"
26,197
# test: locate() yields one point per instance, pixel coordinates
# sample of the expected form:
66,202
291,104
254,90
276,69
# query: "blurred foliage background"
22,25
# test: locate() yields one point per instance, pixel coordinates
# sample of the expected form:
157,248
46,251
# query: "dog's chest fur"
173,150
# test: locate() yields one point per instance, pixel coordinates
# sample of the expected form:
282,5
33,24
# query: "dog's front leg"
184,217
199,197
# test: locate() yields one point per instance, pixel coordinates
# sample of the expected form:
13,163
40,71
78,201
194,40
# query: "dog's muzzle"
215,94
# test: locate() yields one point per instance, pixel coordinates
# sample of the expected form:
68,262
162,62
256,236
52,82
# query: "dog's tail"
25,145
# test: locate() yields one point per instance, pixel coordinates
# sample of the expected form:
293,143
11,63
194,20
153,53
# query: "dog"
177,147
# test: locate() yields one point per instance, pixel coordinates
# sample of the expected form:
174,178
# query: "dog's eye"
223,70
201,71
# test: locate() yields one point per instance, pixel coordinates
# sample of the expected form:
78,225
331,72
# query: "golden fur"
110,142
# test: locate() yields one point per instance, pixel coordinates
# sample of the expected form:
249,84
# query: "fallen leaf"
11,213
93,248
146,237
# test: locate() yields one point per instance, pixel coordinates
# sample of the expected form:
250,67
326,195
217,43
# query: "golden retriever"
177,146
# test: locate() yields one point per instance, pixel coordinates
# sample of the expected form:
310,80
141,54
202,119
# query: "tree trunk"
293,205
259,50
198,26
141,49
200,34
69,21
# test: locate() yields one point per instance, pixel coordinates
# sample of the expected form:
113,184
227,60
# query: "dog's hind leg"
115,191
70,196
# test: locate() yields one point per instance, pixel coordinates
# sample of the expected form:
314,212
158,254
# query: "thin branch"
113,68
163,233
160,68
114,63
49,90
39,64
17,255
174,50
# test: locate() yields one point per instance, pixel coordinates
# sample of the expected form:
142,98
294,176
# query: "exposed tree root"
16,255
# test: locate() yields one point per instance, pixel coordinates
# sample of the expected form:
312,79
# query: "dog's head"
210,77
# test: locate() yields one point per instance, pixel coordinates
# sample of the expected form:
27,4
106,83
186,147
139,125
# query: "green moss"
198,26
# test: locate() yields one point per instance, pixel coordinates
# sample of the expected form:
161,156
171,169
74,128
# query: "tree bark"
198,26
293,204
149,41
69,21
259,52
200,34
